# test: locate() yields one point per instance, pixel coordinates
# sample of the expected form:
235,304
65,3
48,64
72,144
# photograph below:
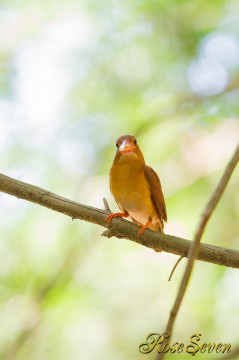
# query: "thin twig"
173,269
119,228
194,249
106,205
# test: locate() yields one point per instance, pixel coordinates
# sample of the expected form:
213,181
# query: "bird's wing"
156,192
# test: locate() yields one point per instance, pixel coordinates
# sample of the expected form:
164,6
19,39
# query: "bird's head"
128,149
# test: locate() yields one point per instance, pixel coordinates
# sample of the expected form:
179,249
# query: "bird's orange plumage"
136,187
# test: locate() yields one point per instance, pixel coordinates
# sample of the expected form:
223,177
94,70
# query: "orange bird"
136,187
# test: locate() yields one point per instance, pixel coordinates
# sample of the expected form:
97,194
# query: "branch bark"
119,228
194,249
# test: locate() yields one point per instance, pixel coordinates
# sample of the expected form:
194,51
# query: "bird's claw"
143,227
111,216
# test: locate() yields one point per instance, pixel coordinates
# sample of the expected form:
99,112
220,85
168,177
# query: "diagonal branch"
195,248
119,228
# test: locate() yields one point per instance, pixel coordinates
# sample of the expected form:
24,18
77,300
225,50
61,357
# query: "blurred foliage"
75,75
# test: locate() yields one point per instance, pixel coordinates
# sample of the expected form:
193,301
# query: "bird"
136,187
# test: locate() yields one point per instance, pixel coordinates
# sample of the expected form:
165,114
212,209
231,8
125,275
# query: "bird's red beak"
126,146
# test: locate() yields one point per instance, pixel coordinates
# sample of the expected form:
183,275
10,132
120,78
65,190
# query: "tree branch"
119,228
194,249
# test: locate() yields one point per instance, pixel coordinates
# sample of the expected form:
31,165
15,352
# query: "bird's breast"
131,191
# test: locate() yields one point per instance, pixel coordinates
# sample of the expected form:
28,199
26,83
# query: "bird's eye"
135,142
117,145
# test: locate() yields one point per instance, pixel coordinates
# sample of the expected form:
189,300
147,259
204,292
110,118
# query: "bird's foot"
146,226
113,215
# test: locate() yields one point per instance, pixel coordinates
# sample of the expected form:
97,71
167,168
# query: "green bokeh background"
75,75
